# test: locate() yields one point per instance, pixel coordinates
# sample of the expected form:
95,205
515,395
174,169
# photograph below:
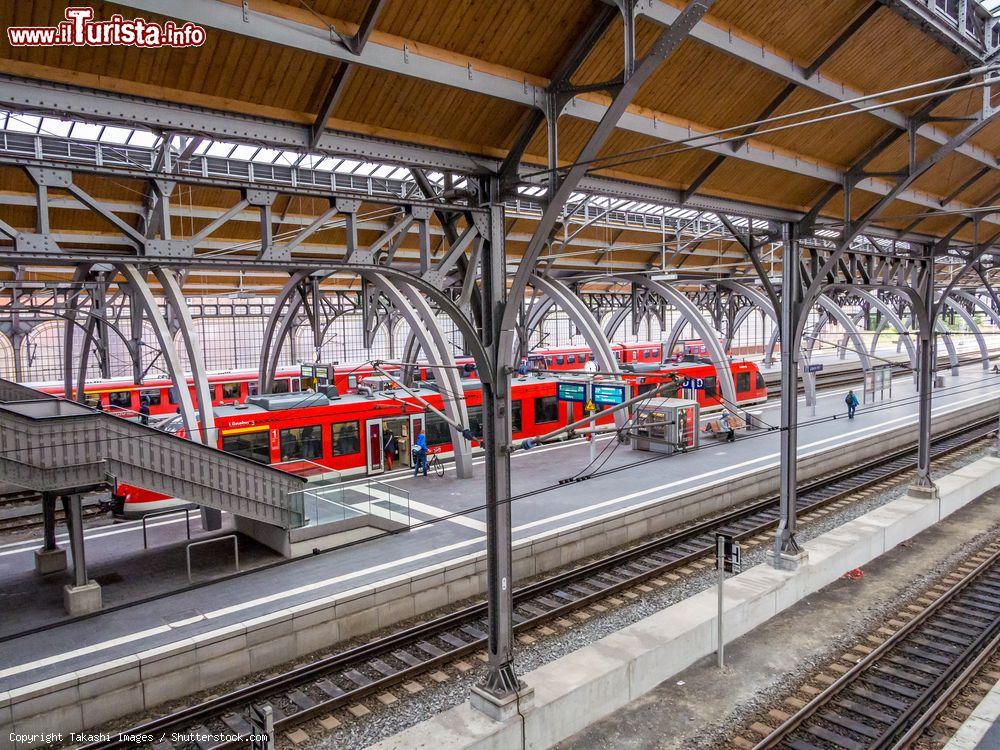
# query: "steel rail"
917,710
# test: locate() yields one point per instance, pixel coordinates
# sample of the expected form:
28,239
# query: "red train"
298,430
118,395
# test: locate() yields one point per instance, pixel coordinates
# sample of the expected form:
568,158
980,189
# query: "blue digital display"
609,395
693,383
576,392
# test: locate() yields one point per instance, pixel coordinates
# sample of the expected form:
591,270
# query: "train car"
122,396
293,430
698,381
575,358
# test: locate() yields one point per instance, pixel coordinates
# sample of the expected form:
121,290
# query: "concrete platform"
589,683
196,639
981,731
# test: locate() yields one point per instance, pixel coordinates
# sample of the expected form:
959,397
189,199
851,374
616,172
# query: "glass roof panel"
143,138
347,166
266,155
54,126
243,152
112,134
23,123
86,131
366,169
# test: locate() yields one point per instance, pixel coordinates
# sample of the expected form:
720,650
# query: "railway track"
334,682
892,695
22,511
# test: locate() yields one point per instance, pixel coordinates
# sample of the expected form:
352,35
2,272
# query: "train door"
373,431
416,424
401,429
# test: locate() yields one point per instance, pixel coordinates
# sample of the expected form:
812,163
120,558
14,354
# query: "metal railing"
187,522
236,550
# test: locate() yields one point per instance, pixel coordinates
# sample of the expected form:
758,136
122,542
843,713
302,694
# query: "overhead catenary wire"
609,160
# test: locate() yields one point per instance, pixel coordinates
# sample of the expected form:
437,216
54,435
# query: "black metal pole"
791,310
925,375
500,680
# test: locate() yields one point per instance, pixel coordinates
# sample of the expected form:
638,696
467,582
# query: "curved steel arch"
888,316
984,351
834,311
945,334
974,300
144,293
587,323
708,334
760,300
418,314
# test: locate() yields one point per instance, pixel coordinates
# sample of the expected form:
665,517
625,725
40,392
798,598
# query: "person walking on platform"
391,448
420,453
144,411
852,403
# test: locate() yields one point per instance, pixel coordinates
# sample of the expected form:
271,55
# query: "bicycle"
434,464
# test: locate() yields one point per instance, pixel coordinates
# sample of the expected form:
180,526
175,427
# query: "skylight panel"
289,158
23,123
383,171
143,138
400,173
309,161
243,152
55,126
328,164
366,169
266,155
347,166
111,134
86,131
221,149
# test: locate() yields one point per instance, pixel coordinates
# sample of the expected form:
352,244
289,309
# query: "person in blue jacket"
420,453
852,403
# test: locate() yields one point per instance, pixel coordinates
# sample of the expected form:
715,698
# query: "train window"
346,438
172,395
252,388
230,390
710,386
280,386
546,409
436,429
120,399
548,361
760,382
515,416
476,420
93,400
571,359
153,396
647,353
301,443
742,382
253,445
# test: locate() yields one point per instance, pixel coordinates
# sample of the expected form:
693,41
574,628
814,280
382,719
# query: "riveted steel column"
791,311
501,680
49,521
924,312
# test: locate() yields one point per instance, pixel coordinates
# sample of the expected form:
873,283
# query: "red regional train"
122,395
297,430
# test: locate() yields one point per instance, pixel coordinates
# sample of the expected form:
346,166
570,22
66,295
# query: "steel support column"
501,681
923,309
791,312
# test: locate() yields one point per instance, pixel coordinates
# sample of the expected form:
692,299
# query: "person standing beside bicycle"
420,453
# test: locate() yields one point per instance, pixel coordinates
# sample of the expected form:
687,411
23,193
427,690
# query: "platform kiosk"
666,425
